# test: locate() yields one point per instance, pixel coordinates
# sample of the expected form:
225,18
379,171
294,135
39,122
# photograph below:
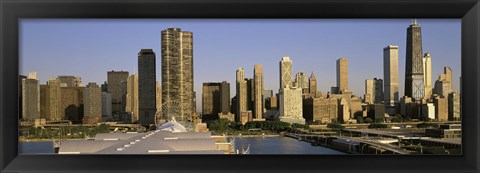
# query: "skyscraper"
177,70
373,91
427,74
342,74
301,81
132,96
241,91
414,82
30,99
92,100
312,84
146,87
114,87
106,104
390,75
158,97
215,98
54,100
285,72
258,91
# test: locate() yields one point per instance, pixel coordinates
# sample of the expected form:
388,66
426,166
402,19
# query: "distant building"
71,81
32,75
20,95
406,106
390,75
92,100
414,81
291,109
30,99
445,131
302,82
246,116
53,96
427,73
147,106
215,98
271,103
285,72
343,110
441,108
377,112
107,105
258,91
132,97
241,94
177,70
454,106
158,92
373,91
267,93
342,74
428,110
443,85
115,80
320,110
72,103
312,84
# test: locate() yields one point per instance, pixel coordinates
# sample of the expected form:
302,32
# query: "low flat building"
169,138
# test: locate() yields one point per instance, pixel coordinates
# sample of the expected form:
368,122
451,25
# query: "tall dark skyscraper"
177,70
414,82
146,87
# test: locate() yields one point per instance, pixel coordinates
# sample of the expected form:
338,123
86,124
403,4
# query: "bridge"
353,145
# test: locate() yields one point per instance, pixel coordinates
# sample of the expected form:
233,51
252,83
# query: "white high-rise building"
427,72
291,108
390,75
285,72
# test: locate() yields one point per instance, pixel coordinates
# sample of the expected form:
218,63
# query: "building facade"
177,70
215,98
241,94
285,72
114,87
107,105
291,109
414,81
373,91
71,81
147,107
258,91
390,75
72,103
427,74
30,99
92,100
132,97
342,74
54,100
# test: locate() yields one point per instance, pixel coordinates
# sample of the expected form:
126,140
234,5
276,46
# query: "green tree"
336,126
359,119
368,120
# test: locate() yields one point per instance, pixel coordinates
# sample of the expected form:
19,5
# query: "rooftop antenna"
414,22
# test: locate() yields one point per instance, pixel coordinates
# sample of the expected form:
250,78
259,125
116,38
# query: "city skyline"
323,67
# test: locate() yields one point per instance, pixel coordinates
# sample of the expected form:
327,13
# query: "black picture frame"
12,10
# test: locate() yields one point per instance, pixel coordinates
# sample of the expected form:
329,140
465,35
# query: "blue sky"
90,47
